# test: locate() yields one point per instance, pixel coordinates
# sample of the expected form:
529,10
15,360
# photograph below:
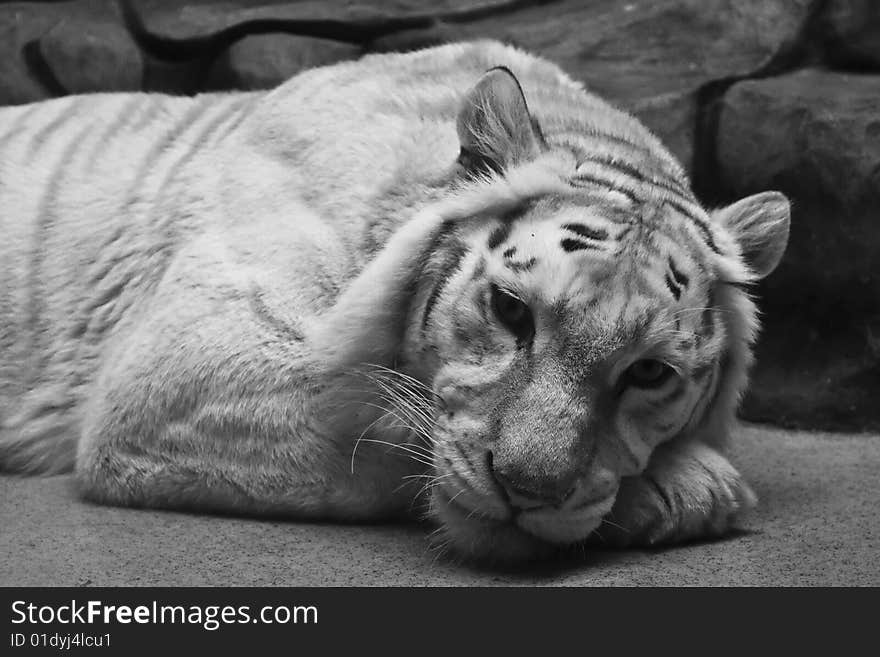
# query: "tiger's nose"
527,493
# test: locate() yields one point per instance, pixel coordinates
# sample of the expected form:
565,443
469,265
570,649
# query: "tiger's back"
85,236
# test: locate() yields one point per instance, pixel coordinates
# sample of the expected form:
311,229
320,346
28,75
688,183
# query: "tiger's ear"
495,129
760,224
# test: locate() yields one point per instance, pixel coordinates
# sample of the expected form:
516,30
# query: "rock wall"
750,94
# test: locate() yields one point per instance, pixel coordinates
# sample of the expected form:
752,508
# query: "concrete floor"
818,523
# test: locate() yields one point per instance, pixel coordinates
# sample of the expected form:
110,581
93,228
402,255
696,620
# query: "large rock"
347,21
17,85
87,55
21,80
52,49
814,135
264,61
850,31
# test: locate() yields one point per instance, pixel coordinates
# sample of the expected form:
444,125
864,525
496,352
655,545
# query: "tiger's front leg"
689,491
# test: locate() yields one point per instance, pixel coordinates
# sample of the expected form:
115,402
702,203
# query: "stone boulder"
814,135
850,33
264,61
87,55
57,48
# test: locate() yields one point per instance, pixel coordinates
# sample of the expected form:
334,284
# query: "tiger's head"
586,310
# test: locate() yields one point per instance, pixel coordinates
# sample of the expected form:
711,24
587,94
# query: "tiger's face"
567,351
570,333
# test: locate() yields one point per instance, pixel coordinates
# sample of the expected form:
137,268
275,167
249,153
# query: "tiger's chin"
516,539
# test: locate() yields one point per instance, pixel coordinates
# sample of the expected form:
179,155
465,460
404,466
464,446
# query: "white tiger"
449,281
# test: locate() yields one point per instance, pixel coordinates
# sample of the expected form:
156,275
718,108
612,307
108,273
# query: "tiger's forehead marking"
578,250
647,185
579,223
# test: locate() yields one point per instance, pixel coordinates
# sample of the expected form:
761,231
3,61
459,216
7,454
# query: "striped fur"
224,302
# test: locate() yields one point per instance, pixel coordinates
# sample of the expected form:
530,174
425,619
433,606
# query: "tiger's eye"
513,313
510,309
648,373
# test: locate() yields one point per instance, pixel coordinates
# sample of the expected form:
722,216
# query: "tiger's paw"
688,492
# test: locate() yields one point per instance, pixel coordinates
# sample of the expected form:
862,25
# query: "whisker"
361,437
416,456
428,486
605,521
424,476
405,404
414,431
699,309
454,497
423,449
406,377
391,412
416,392
415,422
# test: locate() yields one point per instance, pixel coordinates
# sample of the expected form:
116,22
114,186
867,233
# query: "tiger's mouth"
493,528
565,526
468,533
484,516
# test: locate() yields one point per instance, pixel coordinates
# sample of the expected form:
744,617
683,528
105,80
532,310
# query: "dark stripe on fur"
15,129
675,289
37,306
242,112
572,138
445,271
500,234
127,112
198,142
584,180
668,184
570,245
698,222
479,270
198,138
677,204
264,314
525,265
598,234
39,139
483,306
